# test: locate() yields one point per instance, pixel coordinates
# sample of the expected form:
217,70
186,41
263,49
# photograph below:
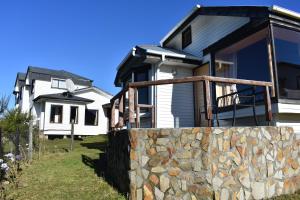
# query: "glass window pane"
143,93
55,83
62,84
246,59
74,114
287,47
56,114
91,117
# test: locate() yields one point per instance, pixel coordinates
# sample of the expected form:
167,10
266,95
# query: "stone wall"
207,163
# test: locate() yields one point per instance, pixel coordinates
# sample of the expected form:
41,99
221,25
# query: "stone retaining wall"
207,163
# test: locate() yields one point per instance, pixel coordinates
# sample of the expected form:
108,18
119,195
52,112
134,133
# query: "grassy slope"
64,175
59,175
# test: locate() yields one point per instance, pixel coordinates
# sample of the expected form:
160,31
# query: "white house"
244,42
43,93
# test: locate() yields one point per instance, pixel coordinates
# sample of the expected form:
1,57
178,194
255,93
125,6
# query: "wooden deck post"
112,116
207,102
131,105
121,111
137,108
153,117
268,105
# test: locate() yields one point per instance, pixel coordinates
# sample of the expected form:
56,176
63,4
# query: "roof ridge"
46,70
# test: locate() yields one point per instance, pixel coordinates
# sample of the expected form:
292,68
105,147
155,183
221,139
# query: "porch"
126,109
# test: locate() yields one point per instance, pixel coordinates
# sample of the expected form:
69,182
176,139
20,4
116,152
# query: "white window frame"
58,79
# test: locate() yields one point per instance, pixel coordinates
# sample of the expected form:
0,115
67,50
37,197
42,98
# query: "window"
56,114
143,93
287,48
58,83
186,37
245,59
91,117
74,114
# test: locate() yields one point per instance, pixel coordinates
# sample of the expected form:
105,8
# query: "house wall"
24,103
216,27
175,103
44,87
64,128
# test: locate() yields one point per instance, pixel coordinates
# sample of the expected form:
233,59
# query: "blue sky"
88,37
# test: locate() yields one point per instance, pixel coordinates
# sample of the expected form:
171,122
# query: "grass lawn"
59,174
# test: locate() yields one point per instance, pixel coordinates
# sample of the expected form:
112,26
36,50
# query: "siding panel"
206,30
175,103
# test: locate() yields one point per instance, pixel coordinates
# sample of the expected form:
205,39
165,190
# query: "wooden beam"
153,117
112,115
199,78
131,105
121,111
268,105
207,102
137,108
145,106
271,68
119,94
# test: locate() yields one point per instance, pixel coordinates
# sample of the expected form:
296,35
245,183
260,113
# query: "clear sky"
88,37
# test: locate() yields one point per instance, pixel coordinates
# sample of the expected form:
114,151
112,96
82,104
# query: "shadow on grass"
99,165
95,145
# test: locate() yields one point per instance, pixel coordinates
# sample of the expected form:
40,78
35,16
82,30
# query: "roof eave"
284,11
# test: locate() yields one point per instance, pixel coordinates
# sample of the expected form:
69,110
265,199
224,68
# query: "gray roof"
63,96
59,73
154,49
21,76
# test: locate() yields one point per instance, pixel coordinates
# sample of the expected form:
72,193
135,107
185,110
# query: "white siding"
206,30
44,87
175,103
64,128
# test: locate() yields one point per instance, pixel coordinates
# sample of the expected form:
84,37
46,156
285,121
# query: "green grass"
59,174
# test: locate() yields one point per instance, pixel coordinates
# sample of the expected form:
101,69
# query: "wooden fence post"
18,142
30,141
72,135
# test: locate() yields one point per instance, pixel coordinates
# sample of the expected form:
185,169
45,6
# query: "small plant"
9,166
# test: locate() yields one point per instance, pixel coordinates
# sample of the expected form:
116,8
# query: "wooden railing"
133,107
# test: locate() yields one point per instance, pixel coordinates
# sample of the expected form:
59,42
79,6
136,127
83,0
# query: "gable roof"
237,11
52,72
64,97
21,79
41,73
21,76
